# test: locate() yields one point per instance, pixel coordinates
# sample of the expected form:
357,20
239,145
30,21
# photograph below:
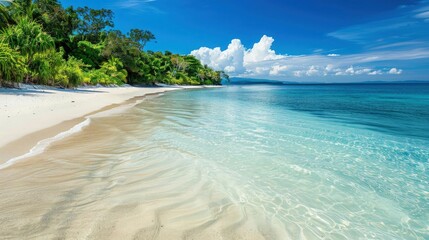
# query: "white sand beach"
27,112
119,178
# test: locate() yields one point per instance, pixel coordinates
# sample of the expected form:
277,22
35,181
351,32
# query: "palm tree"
5,17
12,68
22,8
28,38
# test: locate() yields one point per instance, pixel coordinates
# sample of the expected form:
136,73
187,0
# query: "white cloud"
378,72
363,71
424,15
236,59
395,71
312,71
350,71
230,60
132,3
137,6
358,71
278,69
262,61
329,67
261,51
298,73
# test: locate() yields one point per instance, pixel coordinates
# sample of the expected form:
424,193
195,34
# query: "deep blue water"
398,109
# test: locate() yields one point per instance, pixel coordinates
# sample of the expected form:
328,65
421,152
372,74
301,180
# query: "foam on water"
43,144
312,162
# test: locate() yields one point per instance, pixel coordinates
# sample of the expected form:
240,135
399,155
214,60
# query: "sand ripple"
113,182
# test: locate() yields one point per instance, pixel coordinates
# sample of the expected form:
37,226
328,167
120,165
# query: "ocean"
331,161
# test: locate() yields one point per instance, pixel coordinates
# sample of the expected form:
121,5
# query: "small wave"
43,144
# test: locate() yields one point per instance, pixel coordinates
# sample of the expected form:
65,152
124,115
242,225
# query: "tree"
225,76
193,65
70,73
142,37
67,47
22,8
89,53
5,17
45,66
55,20
12,67
114,69
179,64
28,38
92,22
128,51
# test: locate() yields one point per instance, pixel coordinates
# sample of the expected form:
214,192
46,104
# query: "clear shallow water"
249,162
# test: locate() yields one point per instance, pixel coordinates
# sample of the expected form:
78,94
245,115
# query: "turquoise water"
240,162
329,161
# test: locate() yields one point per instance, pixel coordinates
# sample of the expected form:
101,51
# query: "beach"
238,162
34,113
158,193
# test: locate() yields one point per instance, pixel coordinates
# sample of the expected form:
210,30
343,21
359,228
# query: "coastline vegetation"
41,42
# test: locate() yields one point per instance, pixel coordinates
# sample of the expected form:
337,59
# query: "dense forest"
41,42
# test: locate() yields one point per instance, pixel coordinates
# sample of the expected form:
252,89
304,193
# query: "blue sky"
298,40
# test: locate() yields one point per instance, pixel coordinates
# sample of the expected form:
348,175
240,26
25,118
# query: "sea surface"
346,161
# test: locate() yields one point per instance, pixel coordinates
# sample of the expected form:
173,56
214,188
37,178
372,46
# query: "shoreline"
30,116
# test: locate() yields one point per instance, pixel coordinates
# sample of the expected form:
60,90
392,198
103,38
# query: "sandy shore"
30,115
132,175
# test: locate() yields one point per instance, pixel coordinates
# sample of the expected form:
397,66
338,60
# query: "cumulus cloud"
262,61
261,51
395,71
278,69
229,60
237,59
312,71
378,72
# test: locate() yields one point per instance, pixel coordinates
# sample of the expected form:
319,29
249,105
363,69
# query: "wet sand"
31,115
117,181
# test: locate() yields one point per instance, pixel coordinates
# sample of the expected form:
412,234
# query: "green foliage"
12,67
5,17
114,69
22,8
89,53
120,46
44,66
92,22
56,21
44,43
27,37
111,72
70,73
142,37
171,68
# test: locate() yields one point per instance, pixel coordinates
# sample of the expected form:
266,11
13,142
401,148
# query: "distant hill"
406,81
253,81
246,81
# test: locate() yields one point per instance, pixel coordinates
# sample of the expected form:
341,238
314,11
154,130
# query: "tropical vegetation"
41,42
